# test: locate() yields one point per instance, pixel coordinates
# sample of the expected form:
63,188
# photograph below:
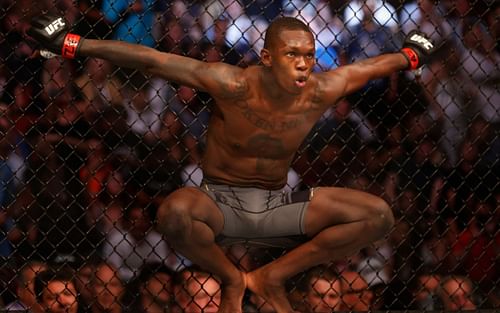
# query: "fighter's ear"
265,57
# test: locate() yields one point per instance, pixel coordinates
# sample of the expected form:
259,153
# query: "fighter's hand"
417,48
52,32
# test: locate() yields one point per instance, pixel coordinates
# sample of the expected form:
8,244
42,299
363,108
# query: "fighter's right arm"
219,79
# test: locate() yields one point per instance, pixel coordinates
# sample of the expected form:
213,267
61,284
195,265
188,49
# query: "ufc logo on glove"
422,40
54,26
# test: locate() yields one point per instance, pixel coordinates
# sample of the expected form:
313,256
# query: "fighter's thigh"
332,205
193,203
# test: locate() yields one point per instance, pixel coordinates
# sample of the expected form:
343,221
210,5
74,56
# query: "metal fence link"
88,151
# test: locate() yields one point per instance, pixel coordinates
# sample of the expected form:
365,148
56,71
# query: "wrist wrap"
70,46
412,58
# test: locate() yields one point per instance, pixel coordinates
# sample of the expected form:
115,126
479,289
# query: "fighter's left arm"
350,78
356,75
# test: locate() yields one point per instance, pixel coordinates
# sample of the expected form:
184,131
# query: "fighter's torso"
252,140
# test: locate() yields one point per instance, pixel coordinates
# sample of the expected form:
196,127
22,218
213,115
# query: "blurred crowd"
88,152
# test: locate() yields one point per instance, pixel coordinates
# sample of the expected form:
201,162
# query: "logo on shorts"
55,26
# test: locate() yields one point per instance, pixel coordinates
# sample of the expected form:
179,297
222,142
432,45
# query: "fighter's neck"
272,90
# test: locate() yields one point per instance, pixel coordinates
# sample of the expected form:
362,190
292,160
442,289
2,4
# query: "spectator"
480,63
456,294
329,160
374,263
384,14
322,290
15,50
57,88
107,290
355,294
132,21
190,111
91,22
449,96
9,232
83,282
476,247
25,288
424,287
98,89
267,10
174,38
430,17
325,26
364,40
217,49
135,243
244,33
197,291
143,114
154,292
56,291
62,140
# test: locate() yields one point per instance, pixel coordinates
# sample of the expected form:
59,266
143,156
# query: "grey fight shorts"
260,217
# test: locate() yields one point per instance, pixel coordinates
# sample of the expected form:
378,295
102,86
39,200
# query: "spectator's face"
324,295
426,288
108,288
355,293
157,291
457,295
26,293
203,295
59,297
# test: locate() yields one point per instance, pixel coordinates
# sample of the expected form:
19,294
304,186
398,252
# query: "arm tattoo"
230,89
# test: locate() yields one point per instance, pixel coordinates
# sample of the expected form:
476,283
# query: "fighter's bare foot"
232,296
272,291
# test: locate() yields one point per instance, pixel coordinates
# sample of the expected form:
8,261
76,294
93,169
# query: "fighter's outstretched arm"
349,78
355,76
219,79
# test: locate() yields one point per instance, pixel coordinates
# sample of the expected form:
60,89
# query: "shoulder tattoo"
231,88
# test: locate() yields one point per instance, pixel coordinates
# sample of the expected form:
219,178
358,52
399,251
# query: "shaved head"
279,25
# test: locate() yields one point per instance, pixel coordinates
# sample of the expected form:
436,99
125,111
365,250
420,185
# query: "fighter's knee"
174,221
381,217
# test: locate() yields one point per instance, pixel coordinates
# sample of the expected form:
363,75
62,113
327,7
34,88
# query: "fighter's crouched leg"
190,220
379,220
175,222
187,212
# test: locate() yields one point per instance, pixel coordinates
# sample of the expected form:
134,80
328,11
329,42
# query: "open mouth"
301,81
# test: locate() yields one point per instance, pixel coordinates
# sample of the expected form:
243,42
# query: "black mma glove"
52,32
417,48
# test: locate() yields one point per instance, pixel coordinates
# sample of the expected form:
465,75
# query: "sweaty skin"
262,115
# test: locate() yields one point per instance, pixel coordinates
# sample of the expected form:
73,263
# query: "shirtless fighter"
262,115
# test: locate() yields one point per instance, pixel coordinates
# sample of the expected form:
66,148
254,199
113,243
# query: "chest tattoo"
267,149
258,121
265,146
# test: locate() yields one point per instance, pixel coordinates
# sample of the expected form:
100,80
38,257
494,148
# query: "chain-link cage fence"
90,150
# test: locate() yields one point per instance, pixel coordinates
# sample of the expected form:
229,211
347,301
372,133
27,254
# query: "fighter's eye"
290,54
